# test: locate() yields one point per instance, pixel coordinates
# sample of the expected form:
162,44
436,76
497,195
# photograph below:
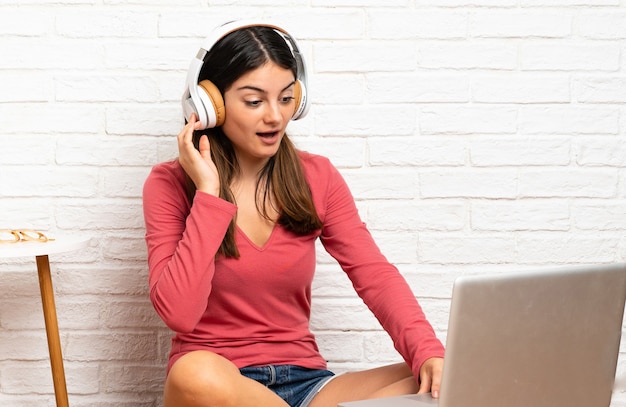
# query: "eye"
286,99
253,103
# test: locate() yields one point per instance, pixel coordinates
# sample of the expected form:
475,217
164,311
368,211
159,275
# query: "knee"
201,379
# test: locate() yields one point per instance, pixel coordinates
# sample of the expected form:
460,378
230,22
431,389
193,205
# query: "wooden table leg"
52,331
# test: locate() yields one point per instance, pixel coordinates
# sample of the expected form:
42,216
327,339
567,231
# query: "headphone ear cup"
213,103
299,95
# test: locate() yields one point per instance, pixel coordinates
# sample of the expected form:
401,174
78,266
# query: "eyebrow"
254,88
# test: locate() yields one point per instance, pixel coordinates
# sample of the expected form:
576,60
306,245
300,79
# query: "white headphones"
205,99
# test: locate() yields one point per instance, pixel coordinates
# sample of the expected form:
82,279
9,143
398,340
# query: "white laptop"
546,338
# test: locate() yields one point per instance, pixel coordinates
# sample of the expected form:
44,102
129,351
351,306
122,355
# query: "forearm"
181,258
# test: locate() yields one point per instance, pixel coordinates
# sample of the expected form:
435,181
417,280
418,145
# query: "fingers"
197,163
436,385
185,137
187,151
424,384
205,147
430,376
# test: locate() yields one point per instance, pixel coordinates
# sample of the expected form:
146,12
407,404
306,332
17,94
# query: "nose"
273,113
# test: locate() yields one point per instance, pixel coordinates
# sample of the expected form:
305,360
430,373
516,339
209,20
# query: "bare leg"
380,382
205,379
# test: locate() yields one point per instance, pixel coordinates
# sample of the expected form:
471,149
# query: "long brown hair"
281,184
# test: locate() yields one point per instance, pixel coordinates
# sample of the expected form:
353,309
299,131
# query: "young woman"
231,227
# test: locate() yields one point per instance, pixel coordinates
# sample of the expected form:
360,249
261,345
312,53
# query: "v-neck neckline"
255,245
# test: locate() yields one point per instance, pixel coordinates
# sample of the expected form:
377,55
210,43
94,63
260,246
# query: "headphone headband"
194,99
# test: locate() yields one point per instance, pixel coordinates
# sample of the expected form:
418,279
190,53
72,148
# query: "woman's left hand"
430,376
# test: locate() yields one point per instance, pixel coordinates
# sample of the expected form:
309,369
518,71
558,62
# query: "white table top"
60,244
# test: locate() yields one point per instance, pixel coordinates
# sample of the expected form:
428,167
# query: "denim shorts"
294,384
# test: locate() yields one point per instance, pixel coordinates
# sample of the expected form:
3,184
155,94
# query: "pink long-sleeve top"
255,310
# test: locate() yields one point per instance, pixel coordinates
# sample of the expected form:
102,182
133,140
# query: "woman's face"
258,107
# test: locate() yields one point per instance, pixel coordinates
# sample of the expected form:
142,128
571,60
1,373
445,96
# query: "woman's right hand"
198,164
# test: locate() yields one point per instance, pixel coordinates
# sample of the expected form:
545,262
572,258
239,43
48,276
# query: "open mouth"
268,134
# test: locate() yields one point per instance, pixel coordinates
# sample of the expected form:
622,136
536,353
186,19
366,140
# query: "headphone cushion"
217,102
297,96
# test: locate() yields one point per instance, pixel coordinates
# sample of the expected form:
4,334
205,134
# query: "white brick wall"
477,135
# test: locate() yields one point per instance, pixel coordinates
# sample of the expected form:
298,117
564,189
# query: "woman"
231,227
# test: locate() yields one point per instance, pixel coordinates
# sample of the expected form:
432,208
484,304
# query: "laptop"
541,338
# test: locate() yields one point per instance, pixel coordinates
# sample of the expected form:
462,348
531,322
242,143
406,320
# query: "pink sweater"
255,310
